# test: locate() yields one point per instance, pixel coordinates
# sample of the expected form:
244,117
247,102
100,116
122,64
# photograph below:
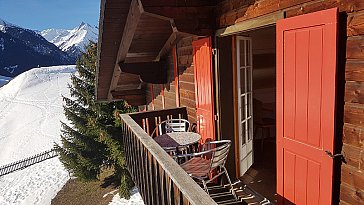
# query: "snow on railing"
24,163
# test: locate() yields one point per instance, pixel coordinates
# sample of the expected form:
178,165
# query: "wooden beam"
135,12
134,100
247,25
149,72
193,20
127,92
172,40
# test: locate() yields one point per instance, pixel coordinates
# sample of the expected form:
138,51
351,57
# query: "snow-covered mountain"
22,49
72,41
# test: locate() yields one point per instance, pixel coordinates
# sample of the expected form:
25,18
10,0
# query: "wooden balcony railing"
150,119
159,178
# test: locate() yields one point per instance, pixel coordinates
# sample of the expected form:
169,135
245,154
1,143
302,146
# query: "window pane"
250,129
249,78
248,60
242,52
242,80
243,133
243,113
249,104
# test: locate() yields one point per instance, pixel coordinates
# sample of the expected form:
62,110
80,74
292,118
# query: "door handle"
333,156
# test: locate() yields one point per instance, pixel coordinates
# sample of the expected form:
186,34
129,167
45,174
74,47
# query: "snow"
66,39
10,69
30,115
4,24
4,80
50,34
2,46
135,199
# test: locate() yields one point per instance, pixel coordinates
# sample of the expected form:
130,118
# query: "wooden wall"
163,96
186,77
166,93
351,139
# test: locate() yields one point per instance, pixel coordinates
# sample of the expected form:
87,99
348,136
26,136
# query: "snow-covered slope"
71,41
52,33
30,115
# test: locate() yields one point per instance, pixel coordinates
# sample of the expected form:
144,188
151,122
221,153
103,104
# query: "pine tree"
93,139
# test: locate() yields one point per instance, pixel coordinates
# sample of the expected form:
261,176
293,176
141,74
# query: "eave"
138,35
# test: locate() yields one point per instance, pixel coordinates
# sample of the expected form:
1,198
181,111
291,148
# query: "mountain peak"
83,24
4,24
74,40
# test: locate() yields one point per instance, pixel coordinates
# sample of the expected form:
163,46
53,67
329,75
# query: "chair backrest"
173,125
220,153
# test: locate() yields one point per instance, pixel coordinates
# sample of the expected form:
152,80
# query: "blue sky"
43,14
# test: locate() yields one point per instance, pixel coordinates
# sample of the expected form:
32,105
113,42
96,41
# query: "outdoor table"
178,141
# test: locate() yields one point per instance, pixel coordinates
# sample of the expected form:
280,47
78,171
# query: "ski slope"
30,114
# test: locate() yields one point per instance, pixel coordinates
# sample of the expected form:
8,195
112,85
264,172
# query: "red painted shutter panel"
202,60
306,91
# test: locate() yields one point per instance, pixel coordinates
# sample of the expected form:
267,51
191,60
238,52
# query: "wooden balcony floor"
246,195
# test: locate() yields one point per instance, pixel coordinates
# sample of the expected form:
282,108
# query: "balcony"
159,178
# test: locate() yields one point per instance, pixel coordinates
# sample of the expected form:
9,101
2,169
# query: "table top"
176,139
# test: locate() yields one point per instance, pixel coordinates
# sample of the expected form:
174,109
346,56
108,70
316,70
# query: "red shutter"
306,85
202,60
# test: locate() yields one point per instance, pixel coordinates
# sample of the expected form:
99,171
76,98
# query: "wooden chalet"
282,79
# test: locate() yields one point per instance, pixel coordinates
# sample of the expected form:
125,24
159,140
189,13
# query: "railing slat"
159,178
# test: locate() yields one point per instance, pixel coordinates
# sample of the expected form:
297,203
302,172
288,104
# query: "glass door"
245,101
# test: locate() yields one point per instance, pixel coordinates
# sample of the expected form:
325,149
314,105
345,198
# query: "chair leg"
231,185
205,186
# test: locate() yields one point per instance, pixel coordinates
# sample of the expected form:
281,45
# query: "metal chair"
212,157
171,125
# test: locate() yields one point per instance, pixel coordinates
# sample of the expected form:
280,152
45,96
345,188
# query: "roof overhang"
136,35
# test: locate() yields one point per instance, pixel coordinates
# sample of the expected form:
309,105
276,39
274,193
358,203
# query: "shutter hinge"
214,51
216,117
333,156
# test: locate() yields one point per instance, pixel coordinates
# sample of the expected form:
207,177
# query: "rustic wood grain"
354,115
258,8
354,71
348,195
318,5
355,47
355,24
354,92
187,94
352,155
354,136
352,176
